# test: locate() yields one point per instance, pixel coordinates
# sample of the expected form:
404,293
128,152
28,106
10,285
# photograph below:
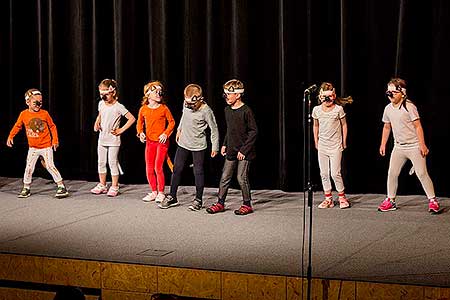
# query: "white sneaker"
149,197
99,189
160,197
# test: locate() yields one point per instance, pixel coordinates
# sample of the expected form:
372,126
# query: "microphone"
311,89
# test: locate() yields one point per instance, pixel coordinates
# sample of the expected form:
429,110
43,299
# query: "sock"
247,203
61,185
221,201
328,196
342,195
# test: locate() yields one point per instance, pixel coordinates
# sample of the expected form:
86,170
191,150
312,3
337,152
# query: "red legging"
155,154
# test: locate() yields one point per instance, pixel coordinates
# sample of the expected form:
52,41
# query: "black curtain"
277,48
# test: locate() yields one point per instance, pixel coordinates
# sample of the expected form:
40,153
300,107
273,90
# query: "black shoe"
169,201
61,192
24,193
196,205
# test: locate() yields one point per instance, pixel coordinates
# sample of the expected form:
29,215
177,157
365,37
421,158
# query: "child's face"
193,102
155,93
394,95
34,103
327,98
106,93
232,98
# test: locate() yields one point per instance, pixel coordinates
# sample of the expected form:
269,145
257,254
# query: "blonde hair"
193,90
31,92
148,87
110,83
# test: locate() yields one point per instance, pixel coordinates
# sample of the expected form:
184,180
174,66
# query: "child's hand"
117,131
177,136
382,150
141,137
223,150
10,142
97,127
55,146
424,150
163,138
213,153
240,156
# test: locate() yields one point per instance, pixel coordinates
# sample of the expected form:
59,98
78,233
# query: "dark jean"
243,167
198,158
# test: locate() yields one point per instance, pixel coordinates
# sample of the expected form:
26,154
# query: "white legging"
33,156
398,160
331,160
110,154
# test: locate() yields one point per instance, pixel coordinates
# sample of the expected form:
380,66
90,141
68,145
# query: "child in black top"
238,147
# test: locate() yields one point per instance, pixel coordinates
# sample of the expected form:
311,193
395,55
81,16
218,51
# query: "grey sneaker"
61,192
24,193
196,205
168,201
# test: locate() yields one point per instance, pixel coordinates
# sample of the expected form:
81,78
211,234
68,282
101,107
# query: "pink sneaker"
113,191
99,189
387,205
433,206
150,197
327,203
343,203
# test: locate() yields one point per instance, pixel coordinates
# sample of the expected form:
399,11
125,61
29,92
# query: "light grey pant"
331,161
33,156
108,154
398,160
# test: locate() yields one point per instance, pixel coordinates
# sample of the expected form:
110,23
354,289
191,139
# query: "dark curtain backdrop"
277,48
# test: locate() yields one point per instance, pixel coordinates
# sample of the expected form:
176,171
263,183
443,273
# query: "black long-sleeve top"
241,132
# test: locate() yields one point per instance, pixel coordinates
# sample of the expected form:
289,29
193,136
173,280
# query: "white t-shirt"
110,116
330,128
401,120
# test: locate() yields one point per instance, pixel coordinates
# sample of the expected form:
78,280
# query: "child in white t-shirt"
330,139
110,111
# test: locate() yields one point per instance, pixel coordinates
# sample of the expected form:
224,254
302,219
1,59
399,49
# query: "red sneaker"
215,208
243,210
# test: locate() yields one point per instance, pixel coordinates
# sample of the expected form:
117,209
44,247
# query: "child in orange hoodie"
42,141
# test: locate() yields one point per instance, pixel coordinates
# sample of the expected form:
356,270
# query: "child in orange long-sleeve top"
42,141
154,126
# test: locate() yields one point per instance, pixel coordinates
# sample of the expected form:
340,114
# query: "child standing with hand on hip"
110,112
42,139
154,126
330,139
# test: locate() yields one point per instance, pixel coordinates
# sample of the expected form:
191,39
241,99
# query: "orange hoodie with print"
39,127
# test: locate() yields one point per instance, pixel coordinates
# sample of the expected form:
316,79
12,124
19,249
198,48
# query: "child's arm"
211,121
385,137
420,135
97,126
15,130
54,132
130,120
316,133
140,126
252,132
170,126
344,132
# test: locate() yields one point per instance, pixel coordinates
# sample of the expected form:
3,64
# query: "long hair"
400,85
326,86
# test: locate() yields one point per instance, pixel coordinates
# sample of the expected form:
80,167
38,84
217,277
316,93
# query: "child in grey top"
330,137
191,138
402,117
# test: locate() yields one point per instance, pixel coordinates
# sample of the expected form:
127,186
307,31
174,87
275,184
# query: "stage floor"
408,246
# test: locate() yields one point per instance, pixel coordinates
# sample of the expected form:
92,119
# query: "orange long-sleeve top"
156,122
39,127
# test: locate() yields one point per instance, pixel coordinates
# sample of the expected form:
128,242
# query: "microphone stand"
307,183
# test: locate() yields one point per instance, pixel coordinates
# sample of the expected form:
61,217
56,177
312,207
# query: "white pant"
110,154
331,160
32,157
398,160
